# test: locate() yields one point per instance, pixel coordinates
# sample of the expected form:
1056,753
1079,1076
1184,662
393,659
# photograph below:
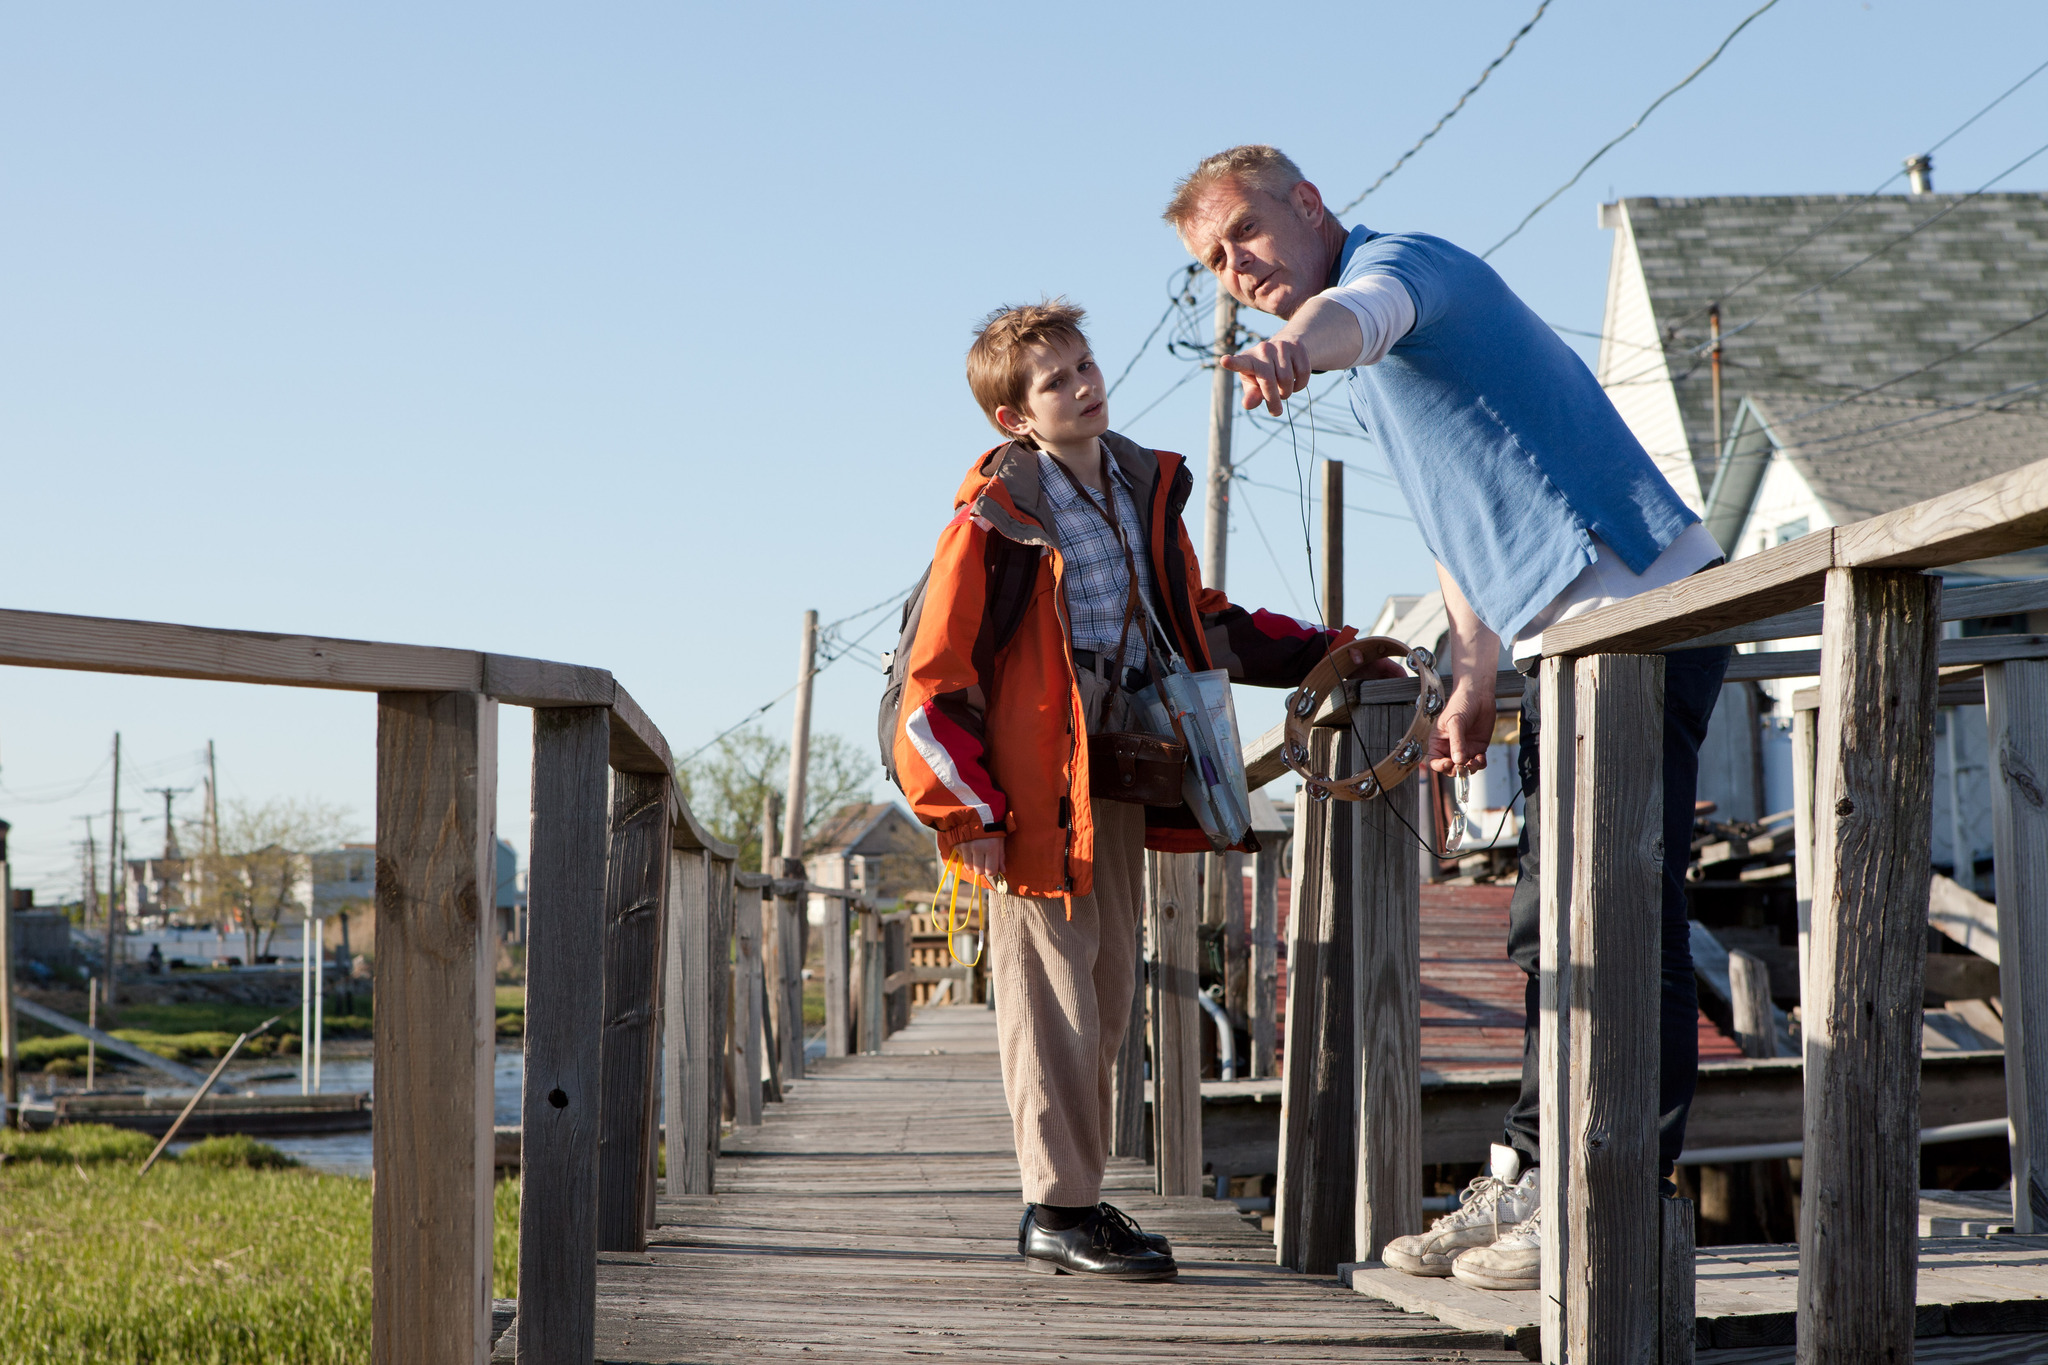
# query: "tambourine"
1336,668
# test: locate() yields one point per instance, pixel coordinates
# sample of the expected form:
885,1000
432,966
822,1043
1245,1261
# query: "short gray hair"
1254,164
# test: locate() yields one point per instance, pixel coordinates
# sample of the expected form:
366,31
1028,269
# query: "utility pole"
1333,544
90,898
1714,333
110,995
799,751
212,843
171,852
1222,409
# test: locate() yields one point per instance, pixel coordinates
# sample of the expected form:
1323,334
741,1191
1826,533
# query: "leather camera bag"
1128,765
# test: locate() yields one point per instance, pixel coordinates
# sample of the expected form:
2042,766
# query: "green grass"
76,1143
236,1150
192,1263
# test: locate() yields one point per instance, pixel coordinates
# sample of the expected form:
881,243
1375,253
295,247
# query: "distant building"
345,878
875,846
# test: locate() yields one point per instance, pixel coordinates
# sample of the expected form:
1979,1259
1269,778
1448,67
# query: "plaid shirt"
1097,585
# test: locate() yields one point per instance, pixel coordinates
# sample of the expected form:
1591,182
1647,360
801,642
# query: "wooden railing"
631,969
1617,1269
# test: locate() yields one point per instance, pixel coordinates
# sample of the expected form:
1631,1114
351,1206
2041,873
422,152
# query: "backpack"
1013,567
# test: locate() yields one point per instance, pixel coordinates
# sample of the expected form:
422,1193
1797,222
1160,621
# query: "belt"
1094,663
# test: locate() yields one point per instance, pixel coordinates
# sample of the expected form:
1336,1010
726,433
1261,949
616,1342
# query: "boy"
1031,637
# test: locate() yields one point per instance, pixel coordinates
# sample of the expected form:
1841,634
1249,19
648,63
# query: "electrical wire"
1921,369
1184,297
1438,126
1349,506
1618,138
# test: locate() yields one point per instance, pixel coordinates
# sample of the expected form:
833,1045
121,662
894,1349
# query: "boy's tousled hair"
1254,164
996,371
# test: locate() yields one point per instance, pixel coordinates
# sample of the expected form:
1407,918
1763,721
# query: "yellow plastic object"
976,909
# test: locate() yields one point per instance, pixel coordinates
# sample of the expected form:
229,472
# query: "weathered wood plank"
1805,742
1318,1156
2006,512
1614,1232
1173,911
1677,1305
895,958
2016,700
838,996
637,745
1264,987
1557,794
1750,589
1387,967
634,897
537,682
1957,604
1873,798
747,977
430,1246
688,968
1127,1072
558,1114
788,983
1749,993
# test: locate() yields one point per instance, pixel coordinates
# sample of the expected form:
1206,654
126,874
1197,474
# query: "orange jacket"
990,734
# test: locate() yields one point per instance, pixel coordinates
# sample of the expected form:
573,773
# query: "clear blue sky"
621,336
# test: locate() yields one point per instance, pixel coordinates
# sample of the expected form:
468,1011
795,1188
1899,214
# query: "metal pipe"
1776,1151
1226,1042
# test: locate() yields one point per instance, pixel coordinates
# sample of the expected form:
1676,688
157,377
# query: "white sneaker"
1513,1262
1491,1206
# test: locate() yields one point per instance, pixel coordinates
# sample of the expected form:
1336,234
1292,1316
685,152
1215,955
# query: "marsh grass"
212,1265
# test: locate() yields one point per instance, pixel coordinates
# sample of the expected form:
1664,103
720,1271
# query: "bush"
511,1025
76,1142
234,1150
62,1066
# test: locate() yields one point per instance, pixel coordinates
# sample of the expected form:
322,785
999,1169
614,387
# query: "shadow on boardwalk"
874,1214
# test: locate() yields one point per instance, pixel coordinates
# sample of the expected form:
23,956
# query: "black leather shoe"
1096,1247
1127,1230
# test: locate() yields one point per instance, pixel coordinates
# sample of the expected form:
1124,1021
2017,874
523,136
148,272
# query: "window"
1792,530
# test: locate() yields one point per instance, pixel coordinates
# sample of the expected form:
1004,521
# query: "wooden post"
1614,1231
688,1010
1319,1099
1127,1073
1387,967
1678,1300
1805,725
1262,989
1557,766
2016,702
867,973
1873,813
836,1022
895,958
1749,986
1172,912
432,1147
633,905
1222,411
789,986
1333,545
1228,870
746,1013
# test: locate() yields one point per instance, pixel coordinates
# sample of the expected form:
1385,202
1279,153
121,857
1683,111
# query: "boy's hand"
1368,669
1269,371
983,857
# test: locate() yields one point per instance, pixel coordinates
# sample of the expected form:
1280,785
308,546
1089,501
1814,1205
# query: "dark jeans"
1692,683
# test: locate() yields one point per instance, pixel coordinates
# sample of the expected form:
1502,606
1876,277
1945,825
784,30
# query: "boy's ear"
1012,421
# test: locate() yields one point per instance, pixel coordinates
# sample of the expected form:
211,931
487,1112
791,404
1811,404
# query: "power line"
1184,297
1922,369
1617,139
1352,506
1437,127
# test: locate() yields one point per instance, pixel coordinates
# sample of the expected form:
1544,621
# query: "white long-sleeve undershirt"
1384,309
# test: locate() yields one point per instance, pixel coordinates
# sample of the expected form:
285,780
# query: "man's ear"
1013,421
1308,202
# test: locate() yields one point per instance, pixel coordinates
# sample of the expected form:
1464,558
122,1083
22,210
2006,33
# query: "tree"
725,787
262,868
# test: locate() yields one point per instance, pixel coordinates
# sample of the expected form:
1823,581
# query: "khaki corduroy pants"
1063,991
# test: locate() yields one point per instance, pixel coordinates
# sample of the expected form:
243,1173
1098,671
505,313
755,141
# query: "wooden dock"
873,1215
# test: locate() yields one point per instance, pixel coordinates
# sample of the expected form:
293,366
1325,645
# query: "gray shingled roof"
1976,266
1878,453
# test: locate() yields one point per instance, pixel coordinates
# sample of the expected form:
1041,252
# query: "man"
1538,504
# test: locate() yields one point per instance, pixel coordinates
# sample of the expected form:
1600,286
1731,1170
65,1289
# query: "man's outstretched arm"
1351,324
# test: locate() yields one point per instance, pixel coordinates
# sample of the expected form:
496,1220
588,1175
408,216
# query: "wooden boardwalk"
873,1216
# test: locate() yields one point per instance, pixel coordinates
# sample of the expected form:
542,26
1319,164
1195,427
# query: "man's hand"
1458,744
1270,371
983,857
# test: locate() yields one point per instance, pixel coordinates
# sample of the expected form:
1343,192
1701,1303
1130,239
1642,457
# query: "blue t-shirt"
1509,453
